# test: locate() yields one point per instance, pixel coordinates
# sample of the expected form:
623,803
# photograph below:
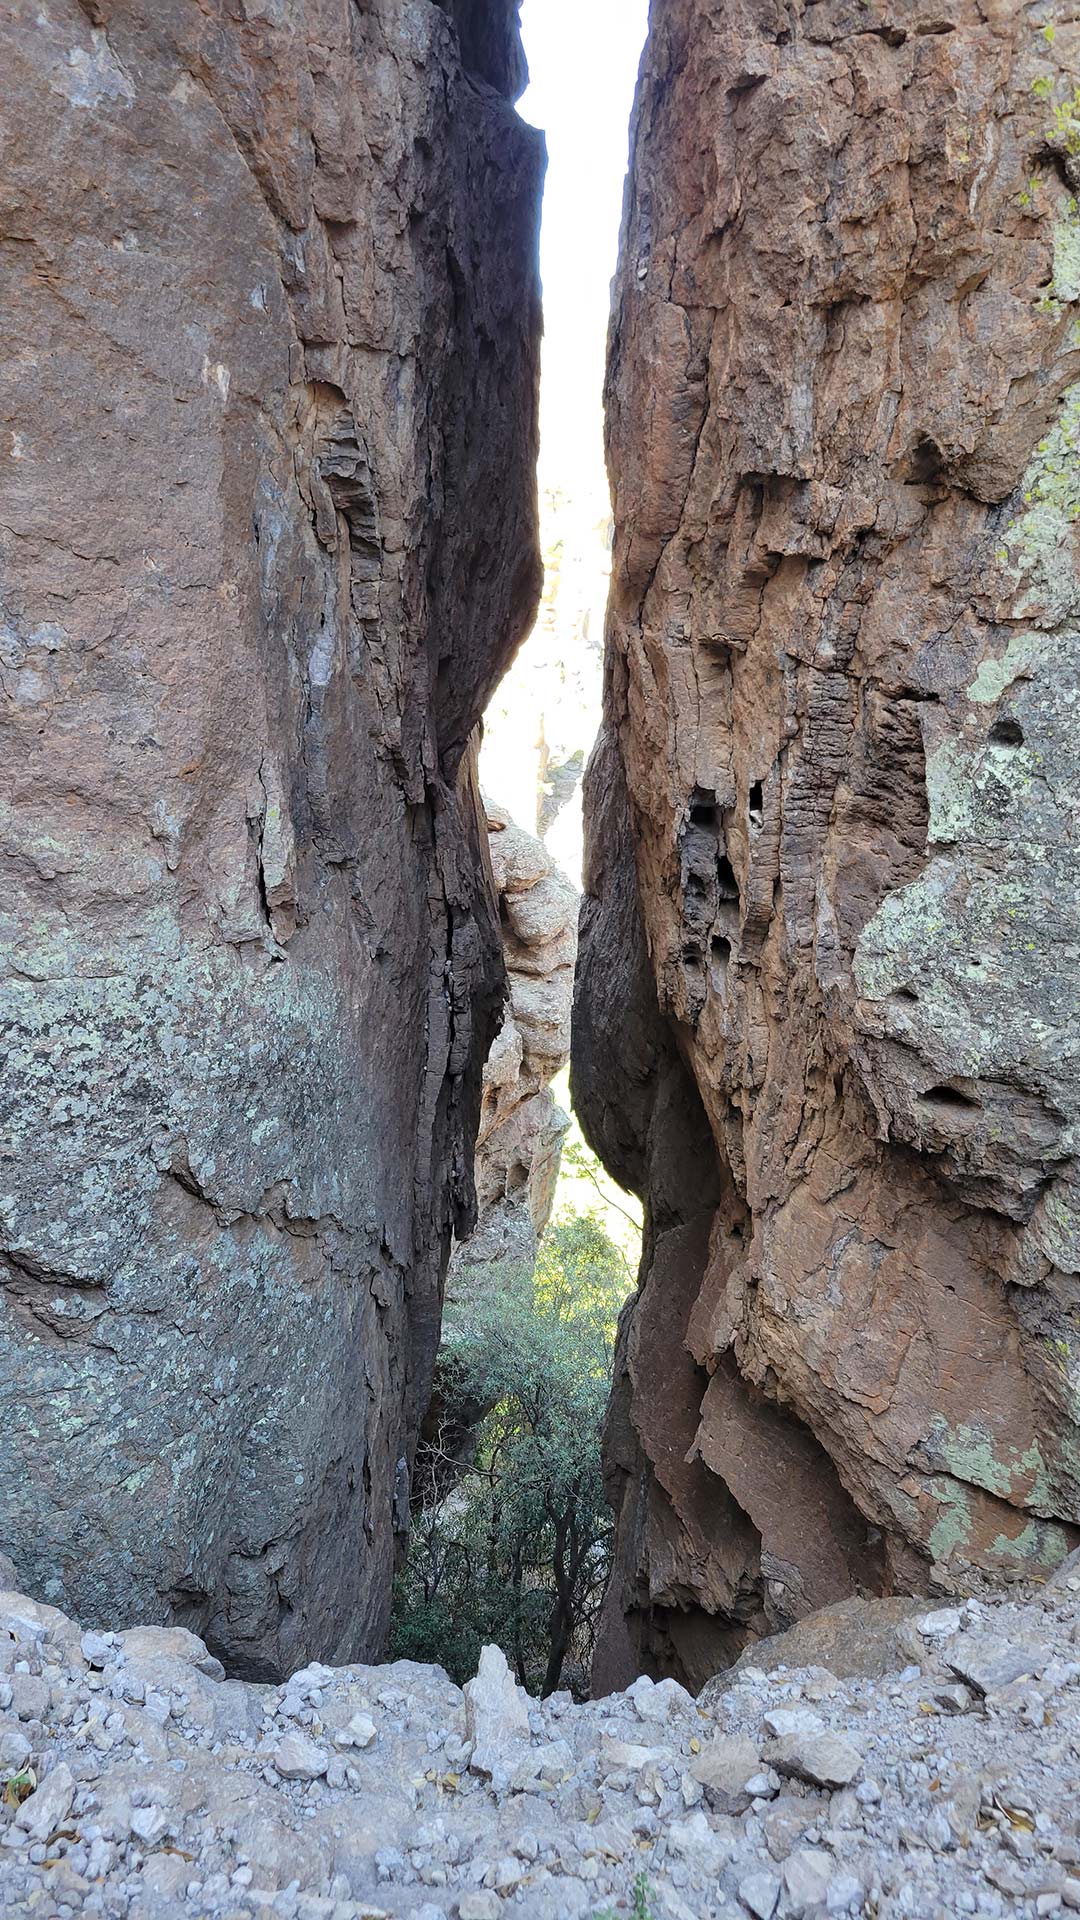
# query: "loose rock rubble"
142,1784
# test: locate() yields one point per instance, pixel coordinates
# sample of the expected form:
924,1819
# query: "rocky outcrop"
522,1127
269,539
828,1004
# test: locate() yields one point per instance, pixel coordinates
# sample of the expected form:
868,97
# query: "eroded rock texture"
266,446
828,1003
522,1127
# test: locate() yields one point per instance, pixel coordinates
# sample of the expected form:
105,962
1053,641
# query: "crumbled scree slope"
945,1784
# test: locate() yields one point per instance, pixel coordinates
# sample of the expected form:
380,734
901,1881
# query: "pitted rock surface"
828,1006
268,539
142,1786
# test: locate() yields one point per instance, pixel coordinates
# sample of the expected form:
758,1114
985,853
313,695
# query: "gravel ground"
141,1783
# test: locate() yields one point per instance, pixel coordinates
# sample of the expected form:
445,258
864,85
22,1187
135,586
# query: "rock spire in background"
522,1127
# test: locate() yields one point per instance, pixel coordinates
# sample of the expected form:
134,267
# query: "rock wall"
267,439
828,1002
522,1127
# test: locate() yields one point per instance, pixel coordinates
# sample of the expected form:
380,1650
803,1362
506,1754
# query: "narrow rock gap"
556,1247
267,476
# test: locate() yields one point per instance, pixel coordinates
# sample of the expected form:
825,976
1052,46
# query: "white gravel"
164,1790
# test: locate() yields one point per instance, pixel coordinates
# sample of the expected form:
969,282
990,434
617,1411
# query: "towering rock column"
522,1128
828,1013
267,439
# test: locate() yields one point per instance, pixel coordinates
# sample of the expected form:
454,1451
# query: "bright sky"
583,57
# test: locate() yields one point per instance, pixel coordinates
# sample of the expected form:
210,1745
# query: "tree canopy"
513,1544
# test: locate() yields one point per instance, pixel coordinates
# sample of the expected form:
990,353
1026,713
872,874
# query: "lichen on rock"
269,539
840,738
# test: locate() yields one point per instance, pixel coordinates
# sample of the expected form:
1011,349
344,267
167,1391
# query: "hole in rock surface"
511,1534
720,955
950,1100
1007,733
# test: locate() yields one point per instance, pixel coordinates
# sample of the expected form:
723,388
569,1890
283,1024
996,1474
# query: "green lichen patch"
1038,542
1066,281
970,1452
951,1531
994,676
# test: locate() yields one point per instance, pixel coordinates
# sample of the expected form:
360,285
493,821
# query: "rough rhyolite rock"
522,1126
266,447
828,1009
496,1716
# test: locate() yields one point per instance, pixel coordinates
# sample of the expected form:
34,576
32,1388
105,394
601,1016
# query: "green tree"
514,1543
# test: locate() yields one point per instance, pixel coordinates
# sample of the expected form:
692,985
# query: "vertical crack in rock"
827,1012
268,529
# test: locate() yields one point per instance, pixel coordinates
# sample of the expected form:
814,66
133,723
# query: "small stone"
990,1663
96,1650
780,1721
868,1793
479,1906
724,1768
699,1844
623,1756
148,1824
806,1879
955,1698
496,1717
761,1786
938,1626
360,1732
1070,1892
545,1764
660,1700
29,1696
14,1750
845,1894
939,1834
49,1805
760,1893
823,1759
297,1758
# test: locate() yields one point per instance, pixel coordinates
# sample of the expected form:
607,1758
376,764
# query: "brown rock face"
267,439
827,1017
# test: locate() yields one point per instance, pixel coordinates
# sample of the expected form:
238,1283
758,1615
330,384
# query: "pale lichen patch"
1038,543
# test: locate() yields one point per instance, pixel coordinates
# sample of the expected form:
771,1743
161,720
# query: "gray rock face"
828,1007
269,538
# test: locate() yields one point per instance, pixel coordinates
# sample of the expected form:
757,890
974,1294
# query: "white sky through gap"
583,58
